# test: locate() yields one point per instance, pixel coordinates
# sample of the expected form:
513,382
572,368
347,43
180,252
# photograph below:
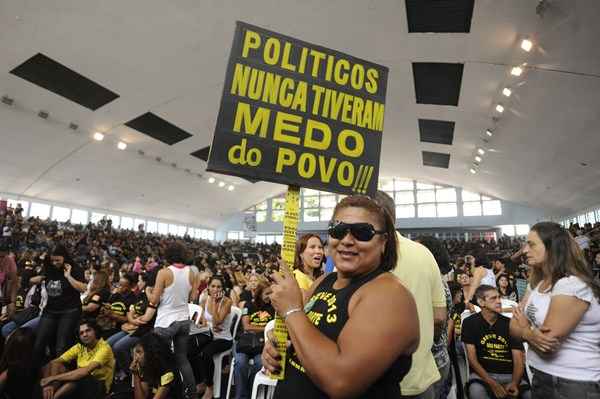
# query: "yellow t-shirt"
101,353
418,271
303,280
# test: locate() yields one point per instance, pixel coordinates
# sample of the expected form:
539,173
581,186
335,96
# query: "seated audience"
84,371
113,313
506,289
257,313
496,360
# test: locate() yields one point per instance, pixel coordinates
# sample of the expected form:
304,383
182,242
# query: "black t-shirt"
259,316
119,304
98,298
61,294
493,343
246,296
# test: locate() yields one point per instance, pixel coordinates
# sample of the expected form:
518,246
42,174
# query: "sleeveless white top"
226,325
489,278
174,300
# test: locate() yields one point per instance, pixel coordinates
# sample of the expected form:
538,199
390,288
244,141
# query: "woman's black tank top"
327,309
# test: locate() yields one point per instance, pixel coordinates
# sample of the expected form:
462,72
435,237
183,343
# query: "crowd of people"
92,311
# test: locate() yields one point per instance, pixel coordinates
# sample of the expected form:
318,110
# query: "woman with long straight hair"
561,317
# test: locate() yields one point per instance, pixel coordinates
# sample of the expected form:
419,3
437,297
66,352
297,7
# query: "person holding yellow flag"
359,322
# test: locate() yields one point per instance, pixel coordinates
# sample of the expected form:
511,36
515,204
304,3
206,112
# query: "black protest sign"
299,114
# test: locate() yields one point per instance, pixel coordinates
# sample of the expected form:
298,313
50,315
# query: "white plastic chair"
261,379
508,304
218,358
194,309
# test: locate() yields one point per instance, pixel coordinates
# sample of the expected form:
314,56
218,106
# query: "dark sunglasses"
360,231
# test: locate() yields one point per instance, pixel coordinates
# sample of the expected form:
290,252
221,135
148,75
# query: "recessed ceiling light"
477,158
473,171
211,180
516,71
500,108
481,151
98,136
507,92
526,45
230,188
121,145
221,184
489,133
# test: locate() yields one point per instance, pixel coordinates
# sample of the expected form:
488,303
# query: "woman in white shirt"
561,317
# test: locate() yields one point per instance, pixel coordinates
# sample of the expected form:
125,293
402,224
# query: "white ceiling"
170,58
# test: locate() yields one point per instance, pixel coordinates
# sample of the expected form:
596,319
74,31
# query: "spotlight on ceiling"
526,45
43,114
473,171
481,151
489,132
73,126
507,92
98,136
516,71
500,108
121,146
477,158
7,100
230,188
221,184
211,180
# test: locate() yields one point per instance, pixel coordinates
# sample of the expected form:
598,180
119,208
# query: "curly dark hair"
158,358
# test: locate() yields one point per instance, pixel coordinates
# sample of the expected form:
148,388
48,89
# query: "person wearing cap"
8,279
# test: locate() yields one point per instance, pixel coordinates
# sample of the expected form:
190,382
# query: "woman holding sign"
356,334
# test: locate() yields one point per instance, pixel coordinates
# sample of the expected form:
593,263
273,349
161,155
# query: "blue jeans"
546,386
244,374
121,344
11,326
480,391
58,330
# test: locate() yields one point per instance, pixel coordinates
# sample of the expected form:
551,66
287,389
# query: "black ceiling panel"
158,128
437,83
439,16
438,132
202,153
436,159
57,78
251,180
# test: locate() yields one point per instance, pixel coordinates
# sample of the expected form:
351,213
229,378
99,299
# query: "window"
405,211
405,185
469,196
163,228
326,214
447,210
472,208
277,209
426,211
137,223
508,230
172,229
522,229
425,196
591,217
445,195
79,216
424,186
386,184
328,201
405,197
581,220
96,217
492,208
210,235
261,212
38,210
116,220
235,235
181,230
14,203
61,214
152,227
310,202
311,215
126,223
